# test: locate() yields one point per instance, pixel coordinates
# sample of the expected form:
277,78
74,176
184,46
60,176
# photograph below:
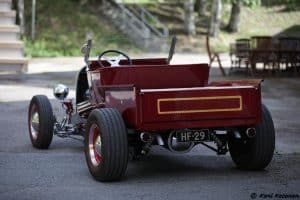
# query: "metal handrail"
131,23
144,14
138,20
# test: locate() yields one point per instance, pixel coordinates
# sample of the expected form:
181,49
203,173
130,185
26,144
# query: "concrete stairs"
11,48
138,24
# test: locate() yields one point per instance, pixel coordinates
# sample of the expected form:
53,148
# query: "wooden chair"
232,55
263,51
289,48
213,56
243,53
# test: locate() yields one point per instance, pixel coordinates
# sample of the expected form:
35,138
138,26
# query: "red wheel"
34,122
40,122
106,145
95,145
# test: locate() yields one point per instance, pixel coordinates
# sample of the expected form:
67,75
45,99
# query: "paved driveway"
61,171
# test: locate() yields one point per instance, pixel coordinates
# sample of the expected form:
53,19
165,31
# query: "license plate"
193,135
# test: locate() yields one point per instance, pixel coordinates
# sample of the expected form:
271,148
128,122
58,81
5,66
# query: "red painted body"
152,95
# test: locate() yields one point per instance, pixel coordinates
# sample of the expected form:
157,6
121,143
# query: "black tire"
255,153
107,161
41,131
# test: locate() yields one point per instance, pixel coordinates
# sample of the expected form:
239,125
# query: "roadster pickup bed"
125,106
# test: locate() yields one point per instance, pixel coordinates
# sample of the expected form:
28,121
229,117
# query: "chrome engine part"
178,147
60,91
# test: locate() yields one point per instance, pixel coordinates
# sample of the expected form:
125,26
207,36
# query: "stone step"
8,13
9,33
9,36
18,65
11,44
4,60
7,17
11,49
5,5
9,28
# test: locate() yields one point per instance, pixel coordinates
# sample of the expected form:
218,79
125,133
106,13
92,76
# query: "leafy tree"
233,25
251,3
200,7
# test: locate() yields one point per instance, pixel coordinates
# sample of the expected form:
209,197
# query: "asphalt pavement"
61,171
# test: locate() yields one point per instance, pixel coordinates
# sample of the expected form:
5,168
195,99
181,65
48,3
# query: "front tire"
255,153
106,145
40,122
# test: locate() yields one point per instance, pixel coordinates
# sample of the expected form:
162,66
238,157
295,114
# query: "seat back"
156,76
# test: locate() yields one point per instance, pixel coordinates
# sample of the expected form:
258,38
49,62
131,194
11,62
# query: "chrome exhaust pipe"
146,137
237,135
251,132
160,141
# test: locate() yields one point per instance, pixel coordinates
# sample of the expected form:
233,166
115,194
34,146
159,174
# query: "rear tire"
255,153
40,122
106,145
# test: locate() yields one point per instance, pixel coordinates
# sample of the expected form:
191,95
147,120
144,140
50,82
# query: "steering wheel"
114,62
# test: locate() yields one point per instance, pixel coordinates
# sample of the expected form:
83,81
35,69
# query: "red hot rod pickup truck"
124,106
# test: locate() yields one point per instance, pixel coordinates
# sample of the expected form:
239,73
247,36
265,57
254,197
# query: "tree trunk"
215,20
189,19
21,17
18,5
200,7
233,25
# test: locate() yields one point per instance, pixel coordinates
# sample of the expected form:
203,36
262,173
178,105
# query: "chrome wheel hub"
34,122
95,144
